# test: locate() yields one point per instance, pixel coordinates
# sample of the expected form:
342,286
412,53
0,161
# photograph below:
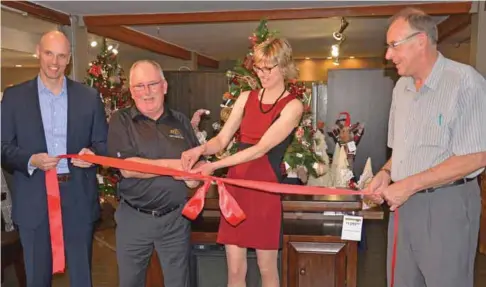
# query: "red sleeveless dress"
262,228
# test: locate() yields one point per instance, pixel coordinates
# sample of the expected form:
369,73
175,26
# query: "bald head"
54,52
56,37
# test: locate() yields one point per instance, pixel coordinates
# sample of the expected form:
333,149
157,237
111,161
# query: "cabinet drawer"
313,264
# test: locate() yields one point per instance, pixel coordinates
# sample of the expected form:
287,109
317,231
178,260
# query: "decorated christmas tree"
301,151
107,76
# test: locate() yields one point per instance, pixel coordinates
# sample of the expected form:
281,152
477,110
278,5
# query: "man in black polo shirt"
149,215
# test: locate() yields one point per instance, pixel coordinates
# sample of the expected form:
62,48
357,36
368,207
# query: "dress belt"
454,183
153,212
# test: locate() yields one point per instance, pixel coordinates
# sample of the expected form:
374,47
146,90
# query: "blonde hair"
151,62
276,51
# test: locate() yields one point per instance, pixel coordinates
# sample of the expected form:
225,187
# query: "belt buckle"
155,213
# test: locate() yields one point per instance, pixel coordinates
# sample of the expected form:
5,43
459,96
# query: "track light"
339,35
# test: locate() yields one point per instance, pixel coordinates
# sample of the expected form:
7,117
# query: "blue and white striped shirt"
446,117
54,118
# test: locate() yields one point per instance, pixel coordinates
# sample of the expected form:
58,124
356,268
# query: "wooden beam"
39,11
207,62
453,25
444,8
140,40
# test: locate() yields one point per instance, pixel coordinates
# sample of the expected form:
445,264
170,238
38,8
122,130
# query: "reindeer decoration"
347,135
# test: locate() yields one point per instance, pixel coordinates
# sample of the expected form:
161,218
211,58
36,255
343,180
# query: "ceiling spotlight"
34,55
18,66
351,57
94,43
329,58
307,58
339,35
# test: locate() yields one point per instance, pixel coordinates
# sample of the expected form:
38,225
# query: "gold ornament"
225,113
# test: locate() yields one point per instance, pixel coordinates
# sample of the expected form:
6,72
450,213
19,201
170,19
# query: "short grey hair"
151,62
418,21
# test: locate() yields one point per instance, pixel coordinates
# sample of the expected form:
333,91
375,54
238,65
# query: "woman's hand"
190,157
205,169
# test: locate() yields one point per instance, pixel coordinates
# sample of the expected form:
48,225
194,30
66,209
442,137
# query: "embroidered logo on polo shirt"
175,133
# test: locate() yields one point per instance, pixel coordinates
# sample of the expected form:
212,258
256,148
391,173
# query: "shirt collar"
136,114
433,78
42,88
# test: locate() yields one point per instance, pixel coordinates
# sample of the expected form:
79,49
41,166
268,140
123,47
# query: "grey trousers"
437,238
138,234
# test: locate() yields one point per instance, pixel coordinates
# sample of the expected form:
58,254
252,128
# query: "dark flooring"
371,258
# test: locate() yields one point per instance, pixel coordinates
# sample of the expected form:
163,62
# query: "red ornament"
95,70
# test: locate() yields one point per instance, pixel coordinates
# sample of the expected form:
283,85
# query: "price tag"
352,226
351,147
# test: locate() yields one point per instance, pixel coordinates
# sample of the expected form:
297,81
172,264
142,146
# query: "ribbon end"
194,206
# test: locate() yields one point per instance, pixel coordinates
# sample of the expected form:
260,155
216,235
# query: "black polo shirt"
131,134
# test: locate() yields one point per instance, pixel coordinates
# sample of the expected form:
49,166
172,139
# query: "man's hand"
397,194
43,161
379,183
81,163
191,183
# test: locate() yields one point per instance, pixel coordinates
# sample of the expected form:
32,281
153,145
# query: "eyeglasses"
264,70
398,43
151,86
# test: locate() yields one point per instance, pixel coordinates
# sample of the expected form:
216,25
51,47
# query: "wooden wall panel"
190,91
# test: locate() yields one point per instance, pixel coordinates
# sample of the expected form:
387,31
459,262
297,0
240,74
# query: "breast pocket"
434,131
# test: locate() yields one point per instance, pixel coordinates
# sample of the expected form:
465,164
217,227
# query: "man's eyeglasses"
394,44
151,86
264,70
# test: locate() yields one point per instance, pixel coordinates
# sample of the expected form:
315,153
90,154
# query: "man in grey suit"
42,118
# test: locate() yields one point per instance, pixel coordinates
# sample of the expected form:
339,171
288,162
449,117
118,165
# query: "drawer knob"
302,271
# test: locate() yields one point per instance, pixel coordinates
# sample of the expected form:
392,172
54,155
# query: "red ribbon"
55,221
230,209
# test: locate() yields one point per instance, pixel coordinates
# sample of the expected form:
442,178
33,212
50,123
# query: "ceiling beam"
443,8
38,11
140,40
207,62
453,25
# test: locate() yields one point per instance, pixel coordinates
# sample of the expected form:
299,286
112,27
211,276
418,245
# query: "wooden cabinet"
154,277
313,252
315,264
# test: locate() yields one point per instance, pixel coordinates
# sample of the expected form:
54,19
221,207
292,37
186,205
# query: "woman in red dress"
266,120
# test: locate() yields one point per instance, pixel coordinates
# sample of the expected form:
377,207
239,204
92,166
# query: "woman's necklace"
274,104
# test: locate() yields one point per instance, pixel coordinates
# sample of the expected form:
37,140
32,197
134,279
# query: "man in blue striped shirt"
438,137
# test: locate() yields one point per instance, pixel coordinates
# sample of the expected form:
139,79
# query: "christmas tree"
301,151
107,76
